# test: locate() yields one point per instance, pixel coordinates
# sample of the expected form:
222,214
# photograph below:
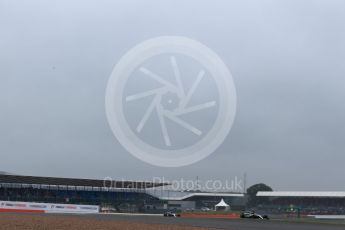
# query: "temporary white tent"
222,206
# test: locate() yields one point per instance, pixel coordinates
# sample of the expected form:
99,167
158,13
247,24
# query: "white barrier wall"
15,206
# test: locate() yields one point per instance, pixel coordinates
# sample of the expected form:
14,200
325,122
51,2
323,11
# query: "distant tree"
253,200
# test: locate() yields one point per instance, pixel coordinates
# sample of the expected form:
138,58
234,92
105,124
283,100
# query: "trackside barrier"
16,206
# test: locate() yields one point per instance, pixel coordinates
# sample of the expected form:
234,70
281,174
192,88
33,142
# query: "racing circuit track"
231,224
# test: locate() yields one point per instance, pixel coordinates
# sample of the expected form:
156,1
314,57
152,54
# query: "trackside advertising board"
15,206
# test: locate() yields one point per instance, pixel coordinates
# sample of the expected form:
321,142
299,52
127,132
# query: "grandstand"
121,195
136,196
308,203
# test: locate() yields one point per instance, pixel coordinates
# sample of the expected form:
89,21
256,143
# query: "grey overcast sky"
287,59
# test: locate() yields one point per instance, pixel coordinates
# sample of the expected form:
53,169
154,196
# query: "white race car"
171,214
253,215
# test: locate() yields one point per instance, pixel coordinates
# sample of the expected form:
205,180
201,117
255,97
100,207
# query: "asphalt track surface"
231,224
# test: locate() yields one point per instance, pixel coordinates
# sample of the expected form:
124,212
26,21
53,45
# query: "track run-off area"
37,221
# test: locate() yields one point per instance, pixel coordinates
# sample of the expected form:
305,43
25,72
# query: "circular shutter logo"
170,101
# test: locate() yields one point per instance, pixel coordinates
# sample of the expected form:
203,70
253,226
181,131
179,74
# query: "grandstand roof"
107,183
301,194
203,194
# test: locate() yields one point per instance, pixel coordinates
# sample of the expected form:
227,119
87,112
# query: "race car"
171,214
253,215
